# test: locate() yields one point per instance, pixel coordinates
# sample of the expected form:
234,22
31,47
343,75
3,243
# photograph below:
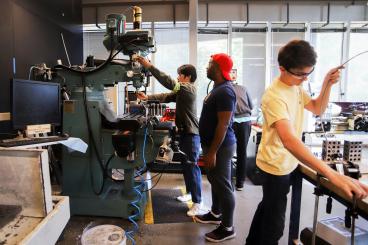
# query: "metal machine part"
137,17
115,27
165,153
346,168
155,108
40,72
318,192
323,126
352,151
132,136
169,152
346,165
330,150
132,42
124,143
361,123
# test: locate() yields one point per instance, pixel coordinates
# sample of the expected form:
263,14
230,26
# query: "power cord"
155,183
107,170
139,192
208,86
94,145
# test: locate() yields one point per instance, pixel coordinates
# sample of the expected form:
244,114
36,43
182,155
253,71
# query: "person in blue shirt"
218,145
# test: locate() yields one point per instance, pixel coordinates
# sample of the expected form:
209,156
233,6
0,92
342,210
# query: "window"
357,68
281,35
212,39
328,44
92,45
248,53
172,50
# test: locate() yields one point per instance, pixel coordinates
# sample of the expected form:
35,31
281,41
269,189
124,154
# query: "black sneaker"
220,234
208,218
239,187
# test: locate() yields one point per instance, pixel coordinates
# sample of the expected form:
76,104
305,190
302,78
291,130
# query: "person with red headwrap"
218,145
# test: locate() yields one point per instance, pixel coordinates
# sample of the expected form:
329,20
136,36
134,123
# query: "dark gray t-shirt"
244,103
185,96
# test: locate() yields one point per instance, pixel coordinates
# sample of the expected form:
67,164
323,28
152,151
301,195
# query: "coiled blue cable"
138,190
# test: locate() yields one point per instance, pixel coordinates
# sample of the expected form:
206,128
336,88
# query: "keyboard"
30,141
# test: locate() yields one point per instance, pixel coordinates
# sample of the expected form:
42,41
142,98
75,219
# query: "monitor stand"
36,130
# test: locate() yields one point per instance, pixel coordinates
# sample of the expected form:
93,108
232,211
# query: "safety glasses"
300,75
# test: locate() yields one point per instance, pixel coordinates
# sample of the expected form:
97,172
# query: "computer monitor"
34,103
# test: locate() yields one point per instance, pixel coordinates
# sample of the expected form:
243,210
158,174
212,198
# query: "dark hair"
297,54
188,70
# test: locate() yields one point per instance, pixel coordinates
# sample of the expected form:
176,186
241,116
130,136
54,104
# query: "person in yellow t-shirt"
281,148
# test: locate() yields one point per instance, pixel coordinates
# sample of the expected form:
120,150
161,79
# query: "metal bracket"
328,15
287,14
247,15
96,18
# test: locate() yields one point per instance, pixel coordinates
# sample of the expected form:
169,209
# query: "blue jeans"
190,144
269,220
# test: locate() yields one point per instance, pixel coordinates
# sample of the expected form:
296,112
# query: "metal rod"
66,51
316,204
174,14
353,214
96,18
328,15
207,18
168,2
130,3
247,14
287,15
366,51
315,216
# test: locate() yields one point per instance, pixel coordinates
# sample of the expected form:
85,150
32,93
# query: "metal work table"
328,188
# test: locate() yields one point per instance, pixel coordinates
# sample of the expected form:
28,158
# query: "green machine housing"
87,177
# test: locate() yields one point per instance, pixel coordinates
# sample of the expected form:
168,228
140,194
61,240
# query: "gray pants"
223,200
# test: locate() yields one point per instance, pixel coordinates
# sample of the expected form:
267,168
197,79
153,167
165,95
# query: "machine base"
114,201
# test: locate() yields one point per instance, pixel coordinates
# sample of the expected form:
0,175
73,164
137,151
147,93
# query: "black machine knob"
329,205
124,143
348,218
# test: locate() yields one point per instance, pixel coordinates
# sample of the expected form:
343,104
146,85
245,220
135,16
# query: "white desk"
75,144
36,145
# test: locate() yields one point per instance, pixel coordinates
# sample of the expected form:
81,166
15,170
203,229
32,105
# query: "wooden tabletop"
311,174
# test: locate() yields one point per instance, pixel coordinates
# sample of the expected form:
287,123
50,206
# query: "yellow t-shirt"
280,101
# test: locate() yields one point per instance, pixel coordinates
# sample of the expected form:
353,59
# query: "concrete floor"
193,233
